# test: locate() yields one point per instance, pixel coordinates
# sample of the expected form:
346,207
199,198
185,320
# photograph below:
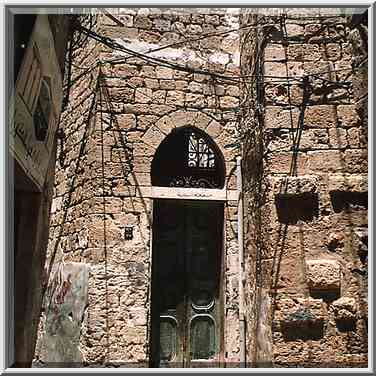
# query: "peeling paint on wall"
64,307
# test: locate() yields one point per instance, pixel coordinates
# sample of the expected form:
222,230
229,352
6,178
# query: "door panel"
187,240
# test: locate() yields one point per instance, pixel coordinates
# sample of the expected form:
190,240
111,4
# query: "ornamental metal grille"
199,153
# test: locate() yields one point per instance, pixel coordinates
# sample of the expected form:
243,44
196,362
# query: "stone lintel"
189,193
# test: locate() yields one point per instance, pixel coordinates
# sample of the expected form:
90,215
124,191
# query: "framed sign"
35,105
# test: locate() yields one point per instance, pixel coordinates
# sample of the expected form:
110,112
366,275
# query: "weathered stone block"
214,129
326,160
313,29
195,87
149,36
160,110
148,71
323,274
230,44
135,82
280,163
324,68
182,118
294,31
163,72
181,85
295,185
141,149
153,136
304,52
274,52
212,19
195,100
201,120
167,84
151,83
356,160
229,102
175,98
331,51
143,95
338,138
159,96
142,22
344,308
348,182
348,116
354,138
144,121
278,117
162,25
194,29
170,38
320,116
275,69
233,91
299,311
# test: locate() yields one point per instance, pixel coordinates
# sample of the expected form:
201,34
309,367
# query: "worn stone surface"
109,168
348,182
323,274
295,185
299,310
344,309
305,177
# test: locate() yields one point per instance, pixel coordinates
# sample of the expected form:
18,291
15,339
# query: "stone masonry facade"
305,171
285,91
117,115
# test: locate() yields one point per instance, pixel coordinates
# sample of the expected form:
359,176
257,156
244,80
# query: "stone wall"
305,167
120,109
71,214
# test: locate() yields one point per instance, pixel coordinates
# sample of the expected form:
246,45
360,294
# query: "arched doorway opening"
188,158
187,315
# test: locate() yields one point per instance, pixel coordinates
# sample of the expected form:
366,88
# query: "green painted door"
186,320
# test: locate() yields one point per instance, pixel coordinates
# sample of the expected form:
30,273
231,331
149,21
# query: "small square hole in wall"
305,331
293,208
346,325
348,200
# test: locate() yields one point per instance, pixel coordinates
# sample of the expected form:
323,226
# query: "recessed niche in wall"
346,325
325,295
293,208
348,200
303,325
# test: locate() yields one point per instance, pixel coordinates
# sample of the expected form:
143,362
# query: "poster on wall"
35,106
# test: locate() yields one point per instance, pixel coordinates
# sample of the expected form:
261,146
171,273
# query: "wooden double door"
186,306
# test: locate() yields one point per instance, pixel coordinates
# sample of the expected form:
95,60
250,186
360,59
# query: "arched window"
188,158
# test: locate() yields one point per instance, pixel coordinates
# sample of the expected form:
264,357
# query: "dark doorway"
186,304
